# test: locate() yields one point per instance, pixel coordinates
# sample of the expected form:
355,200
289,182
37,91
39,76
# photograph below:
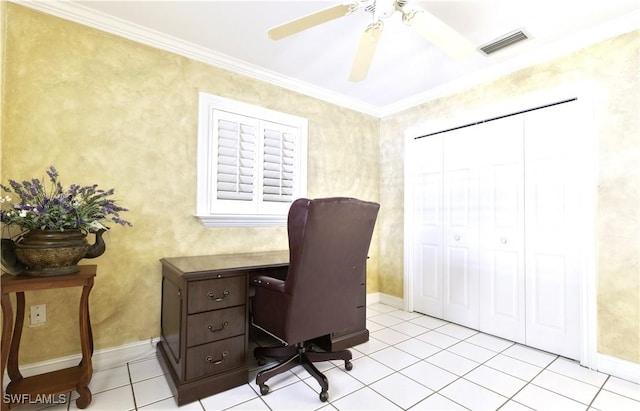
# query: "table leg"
7,323
86,342
12,361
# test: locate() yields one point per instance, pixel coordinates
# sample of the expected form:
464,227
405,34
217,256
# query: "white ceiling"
406,69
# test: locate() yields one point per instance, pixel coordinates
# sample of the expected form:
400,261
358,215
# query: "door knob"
503,240
457,238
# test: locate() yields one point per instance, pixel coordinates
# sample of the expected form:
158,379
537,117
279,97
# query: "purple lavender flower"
53,173
83,207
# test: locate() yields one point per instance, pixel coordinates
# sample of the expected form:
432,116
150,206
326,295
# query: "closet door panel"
548,286
501,299
554,226
460,231
428,287
501,229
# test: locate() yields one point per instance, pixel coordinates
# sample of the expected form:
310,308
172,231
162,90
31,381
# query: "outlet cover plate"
37,314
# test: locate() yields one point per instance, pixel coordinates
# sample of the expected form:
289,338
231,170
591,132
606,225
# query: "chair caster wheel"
264,389
324,396
348,365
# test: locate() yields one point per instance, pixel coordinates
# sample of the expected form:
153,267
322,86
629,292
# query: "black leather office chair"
328,244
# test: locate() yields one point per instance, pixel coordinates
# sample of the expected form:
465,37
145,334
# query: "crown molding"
104,22
91,18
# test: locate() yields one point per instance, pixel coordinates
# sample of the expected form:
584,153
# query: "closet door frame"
584,99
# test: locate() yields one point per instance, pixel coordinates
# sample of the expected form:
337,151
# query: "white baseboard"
374,298
392,301
102,359
626,370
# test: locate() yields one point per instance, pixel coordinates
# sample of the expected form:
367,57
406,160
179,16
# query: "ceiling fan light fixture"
384,9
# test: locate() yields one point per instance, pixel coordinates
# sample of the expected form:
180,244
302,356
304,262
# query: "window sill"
231,220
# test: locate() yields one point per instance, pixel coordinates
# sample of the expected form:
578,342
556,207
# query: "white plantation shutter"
236,160
278,163
251,163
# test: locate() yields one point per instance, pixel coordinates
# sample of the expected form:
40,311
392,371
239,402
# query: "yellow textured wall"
110,111
3,31
611,71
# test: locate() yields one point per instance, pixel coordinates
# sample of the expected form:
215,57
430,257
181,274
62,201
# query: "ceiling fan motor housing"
384,8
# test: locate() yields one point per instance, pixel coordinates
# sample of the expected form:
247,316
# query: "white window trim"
207,162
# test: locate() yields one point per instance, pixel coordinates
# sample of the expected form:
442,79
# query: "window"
251,163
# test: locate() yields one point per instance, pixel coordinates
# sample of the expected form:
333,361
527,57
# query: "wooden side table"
44,387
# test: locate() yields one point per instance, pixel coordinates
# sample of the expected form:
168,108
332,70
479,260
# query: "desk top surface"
228,262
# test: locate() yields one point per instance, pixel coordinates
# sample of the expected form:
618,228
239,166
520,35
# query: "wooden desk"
44,387
203,347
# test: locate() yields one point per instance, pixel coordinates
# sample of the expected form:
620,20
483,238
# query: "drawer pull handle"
217,362
224,324
217,299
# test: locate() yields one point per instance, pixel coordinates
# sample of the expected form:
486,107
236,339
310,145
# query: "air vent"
503,42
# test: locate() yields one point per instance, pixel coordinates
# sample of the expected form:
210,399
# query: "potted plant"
53,223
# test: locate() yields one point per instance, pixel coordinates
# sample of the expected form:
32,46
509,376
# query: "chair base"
302,354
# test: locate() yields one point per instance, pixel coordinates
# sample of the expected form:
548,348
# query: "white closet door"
427,259
501,220
460,231
553,222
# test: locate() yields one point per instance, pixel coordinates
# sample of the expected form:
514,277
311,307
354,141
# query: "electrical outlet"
38,314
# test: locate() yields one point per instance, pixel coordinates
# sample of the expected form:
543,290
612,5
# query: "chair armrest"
269,283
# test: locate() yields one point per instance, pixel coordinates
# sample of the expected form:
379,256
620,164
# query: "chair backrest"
329,241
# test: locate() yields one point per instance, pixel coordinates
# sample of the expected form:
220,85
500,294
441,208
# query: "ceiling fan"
424,23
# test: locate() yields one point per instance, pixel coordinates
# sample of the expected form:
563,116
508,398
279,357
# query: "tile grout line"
480,364
562,395
394,372
530,382
435,365
133,392
534,377
474,368
453,353
599,391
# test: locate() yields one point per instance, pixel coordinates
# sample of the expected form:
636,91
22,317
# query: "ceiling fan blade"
308,21
437,32
366,50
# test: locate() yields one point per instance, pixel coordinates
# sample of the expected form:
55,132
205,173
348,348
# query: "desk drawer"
215,325
218,293
215,357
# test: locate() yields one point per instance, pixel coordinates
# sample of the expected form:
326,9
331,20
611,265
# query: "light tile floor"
411,362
